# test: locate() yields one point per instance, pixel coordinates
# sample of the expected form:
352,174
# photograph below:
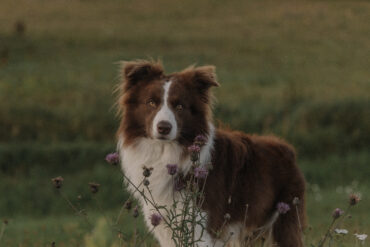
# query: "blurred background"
297,69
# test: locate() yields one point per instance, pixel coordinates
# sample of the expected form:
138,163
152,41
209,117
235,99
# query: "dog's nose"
164,127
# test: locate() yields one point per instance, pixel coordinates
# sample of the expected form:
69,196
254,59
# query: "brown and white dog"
161,115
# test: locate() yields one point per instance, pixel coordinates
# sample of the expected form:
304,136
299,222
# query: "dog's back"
250,176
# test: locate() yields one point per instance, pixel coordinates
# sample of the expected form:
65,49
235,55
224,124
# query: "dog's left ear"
205,77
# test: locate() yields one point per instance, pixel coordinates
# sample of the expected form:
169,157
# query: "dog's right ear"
140,70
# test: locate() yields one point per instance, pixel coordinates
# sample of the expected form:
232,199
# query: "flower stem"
78,212
322,242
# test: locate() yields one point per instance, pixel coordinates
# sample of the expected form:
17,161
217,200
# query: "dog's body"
161,115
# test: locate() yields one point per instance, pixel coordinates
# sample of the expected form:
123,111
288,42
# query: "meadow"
296,69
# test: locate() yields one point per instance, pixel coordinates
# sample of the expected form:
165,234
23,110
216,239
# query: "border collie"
161,116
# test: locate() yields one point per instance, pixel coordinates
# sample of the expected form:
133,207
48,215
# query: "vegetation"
297,69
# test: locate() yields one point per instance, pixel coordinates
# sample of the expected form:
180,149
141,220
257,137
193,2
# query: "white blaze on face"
165,114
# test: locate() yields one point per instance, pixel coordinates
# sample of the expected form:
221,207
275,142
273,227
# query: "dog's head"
174,107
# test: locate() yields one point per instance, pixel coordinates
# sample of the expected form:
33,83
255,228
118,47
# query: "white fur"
157,154
165,114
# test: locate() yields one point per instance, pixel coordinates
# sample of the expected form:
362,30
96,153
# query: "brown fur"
144,82
260,171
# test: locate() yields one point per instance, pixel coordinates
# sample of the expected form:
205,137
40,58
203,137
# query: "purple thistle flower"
337,213
112,158
194,148
155,219
282,207
171,169
200,172
200,140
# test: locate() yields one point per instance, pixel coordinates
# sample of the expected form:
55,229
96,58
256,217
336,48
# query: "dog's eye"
179,107
152,103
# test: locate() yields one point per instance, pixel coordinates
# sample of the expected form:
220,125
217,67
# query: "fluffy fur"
258,171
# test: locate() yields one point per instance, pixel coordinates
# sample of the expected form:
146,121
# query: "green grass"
297,69
70,230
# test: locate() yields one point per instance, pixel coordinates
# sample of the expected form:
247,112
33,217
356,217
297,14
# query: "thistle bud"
296,201
147,171
179,183
337,213
94,187
227,217
128,204
172,169
354,199
200,140
136,212
57,182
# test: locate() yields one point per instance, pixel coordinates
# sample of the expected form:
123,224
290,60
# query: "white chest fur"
157,154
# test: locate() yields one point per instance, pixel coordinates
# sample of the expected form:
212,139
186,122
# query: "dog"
160,117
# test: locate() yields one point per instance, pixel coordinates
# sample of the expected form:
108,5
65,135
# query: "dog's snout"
164,127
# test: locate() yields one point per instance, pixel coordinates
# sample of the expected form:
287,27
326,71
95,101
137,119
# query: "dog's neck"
157,154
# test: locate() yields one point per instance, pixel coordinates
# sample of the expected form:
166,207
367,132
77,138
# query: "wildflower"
128,204
200,172
194,149
227,217
337,213
171,169
341,231
194,152
94,187
200,140
57,182
361,237
147,171
179,182
354,199
112,158
282,207
296,201
146,182
136,212
79,197
155,219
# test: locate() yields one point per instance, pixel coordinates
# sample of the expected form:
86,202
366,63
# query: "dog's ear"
205,77
140,70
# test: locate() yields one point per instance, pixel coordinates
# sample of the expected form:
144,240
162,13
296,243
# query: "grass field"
297,69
